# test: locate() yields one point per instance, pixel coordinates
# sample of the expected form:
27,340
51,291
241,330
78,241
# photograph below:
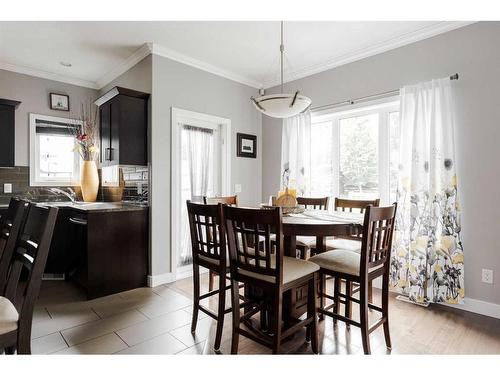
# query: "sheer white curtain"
296,152
428,261
197,145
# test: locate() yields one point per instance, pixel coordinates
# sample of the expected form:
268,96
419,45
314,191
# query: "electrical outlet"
487,276
7,188
237,188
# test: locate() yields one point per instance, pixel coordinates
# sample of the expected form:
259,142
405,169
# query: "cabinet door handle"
108,153
111,153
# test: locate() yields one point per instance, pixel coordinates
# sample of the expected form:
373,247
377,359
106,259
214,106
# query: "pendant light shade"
281,105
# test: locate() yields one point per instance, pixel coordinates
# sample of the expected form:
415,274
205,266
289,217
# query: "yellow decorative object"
89,180
292,192
286,199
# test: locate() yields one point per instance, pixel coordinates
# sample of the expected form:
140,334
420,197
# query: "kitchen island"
102,246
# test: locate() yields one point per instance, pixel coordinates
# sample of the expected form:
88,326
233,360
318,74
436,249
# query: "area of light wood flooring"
157,321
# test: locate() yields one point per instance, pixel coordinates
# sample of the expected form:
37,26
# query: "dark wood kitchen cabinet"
7,130
103,251
123,115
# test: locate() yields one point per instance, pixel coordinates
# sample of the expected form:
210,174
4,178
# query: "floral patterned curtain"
428,261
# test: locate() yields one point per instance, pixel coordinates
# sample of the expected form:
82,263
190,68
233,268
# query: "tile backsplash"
134,186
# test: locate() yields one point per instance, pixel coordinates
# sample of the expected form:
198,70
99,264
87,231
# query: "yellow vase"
89,181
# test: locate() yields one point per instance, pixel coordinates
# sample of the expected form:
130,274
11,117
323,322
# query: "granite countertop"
99,206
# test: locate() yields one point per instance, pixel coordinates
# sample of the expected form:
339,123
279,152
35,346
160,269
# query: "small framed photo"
59,102
247,145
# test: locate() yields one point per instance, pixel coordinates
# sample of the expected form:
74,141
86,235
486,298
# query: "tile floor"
157,321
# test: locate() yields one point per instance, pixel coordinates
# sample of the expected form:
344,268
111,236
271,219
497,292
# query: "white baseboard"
164,278
472,305
478,307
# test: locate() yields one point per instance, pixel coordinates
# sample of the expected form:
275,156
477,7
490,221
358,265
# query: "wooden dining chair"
231,200
208,241
373,262
10,224
349,242
30,254
272,272
307,243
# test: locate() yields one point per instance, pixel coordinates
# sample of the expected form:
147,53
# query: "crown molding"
125,65
374,49
162,51
47,75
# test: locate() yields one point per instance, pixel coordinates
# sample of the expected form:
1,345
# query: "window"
53,158
355,153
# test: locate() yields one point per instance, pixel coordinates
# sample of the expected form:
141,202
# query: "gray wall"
34,93
137,78
474,53
181,86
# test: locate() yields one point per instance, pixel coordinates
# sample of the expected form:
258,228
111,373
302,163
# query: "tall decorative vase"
89,181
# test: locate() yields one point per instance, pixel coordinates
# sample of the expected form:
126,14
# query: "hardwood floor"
157,321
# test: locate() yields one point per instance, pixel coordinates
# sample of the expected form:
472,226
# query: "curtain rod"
363,98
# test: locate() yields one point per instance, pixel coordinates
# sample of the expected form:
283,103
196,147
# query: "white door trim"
180,116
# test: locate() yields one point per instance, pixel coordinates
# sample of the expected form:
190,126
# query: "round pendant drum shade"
281,105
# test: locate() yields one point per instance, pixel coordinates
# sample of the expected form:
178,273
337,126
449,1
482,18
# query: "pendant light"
281,105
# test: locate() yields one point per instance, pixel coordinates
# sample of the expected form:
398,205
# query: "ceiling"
246,52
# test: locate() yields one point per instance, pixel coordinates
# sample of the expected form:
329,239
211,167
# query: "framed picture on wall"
246,145
59,102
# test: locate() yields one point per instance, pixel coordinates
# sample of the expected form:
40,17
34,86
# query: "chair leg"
277,313
196,297
312,328
220,312
24,343
235,303
211,275
385,311
322,291
370,292
363,312
10,350
348,302
336,298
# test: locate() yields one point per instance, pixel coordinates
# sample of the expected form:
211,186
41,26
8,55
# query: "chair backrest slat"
249,240
10,225
378,229
314,203
207,232
31,251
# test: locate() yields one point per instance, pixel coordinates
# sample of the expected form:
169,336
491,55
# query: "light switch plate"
7,188
237,188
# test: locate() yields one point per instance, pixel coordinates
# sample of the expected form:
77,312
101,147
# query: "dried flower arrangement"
87,135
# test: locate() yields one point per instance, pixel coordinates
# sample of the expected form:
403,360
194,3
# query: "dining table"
320,224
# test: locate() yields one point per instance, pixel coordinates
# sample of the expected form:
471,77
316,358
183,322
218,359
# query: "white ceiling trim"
125,65
184,59
47,75
372,50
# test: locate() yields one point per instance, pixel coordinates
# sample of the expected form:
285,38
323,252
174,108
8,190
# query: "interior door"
200,176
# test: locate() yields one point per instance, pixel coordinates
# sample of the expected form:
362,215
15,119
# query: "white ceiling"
247,52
